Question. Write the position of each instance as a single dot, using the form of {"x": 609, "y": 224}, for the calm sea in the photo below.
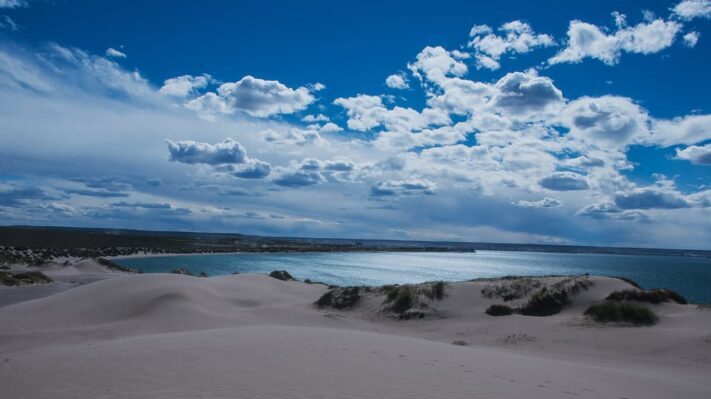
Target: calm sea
{"x": 687, "y": 275}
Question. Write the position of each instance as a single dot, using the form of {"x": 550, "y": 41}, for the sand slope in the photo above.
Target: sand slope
{"x": 251, "y": 336}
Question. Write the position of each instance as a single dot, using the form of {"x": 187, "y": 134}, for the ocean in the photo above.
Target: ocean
{"x": 690, "y": 276}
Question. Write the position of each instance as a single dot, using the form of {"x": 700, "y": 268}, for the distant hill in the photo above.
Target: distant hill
{"x": 121, "y": 241}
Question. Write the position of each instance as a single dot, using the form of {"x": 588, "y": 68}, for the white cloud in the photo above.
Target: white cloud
{"x": 293, "y": 137}
{"x": 606, "y": 120}
{"x": 396, "y": 82}
{"x": 518, "y": 37}
{"x": 366, "y": 112}
{"x": 690, "y": 9}
{"x": 699, "y": 155}
{"x": 435, "y": 64}
{"x": 564, "y": 181}
{"x": 113, "y": 53}
{"x": 185, "y": 85}
{"x": 330, "y": 127}
{"x": 252, "y": 169}
{"x": 193, "y": 152}
{"x": 13, "y": 3}
{"x": 317, "y": 86}
{"x": 546, "y": 202}
{"x": 650, "y": 198}
{"x": 691, "y": 38}
{"x": 521, "y": 92}
{"x": 8, "y": 23}
{"x": 394, "y": 188}
{"x": 690, "y": 129}
{"x": 589, "y": 41}
{"x": 316, "y": 118}
{"x": 256, "y": 97}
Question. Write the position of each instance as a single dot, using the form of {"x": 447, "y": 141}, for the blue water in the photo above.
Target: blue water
{"x": 689, "y": 276}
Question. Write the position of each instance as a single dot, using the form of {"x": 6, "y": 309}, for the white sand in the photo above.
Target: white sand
{"x": 252, "y": 336}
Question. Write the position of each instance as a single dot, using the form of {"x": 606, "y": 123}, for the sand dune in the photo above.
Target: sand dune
{"x": 252, "y": 336}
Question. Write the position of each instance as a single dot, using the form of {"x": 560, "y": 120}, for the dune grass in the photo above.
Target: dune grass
{"x": 654, "y": 296}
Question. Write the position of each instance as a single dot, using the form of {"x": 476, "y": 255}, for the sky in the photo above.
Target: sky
{"x": 514, "y": 121}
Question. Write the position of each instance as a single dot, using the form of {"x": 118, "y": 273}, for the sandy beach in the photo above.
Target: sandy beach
{"x": 98, "y": 333}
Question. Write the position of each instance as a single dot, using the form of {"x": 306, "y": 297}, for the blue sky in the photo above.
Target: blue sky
{"x": 558, "y": 122}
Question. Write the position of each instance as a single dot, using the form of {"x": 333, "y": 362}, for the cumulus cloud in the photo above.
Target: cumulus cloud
{"x": 412, "y": 186}
{"x": 193, "y": 152}
{"x": 650, "y": 198}
{"x": 690, "y": 129}
{"x": 564, "y": 181}
{"x": 590, "y": 41}
{"x": 396, "y": 82}
{"x": 311, "y": 171}
{"x": 253, "y": 169}
{"x": 256, "y": 97}
{"x": 293, "y": 137}
{"x": 546, "y": 202}
{"x": 435, "y": 64}
{"x": 690, "y": 9}
{"x": 315, "y": 118}
{"x": 599, "y": 210}
{"x": 330, "y": 127}
{"x": 698, "y": 155}
{"x": 366, "y": 112}
{"x": 691, "y": 38}
{"x": 516, "y": 37}
{"x": 113, "y": 53}
{"x": 608, "y": 119}
{"x": 526, "y": 91}
{"x": 299, "y": 177}
{"x": 185, "y": 85}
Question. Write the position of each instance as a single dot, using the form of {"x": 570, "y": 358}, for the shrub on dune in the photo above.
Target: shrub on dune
{"x": 654, "y": 296}
{"x": 26, "y": 278}
{"x": 340, "y": 298}
{"x": 545, "y": 302}
{"x": 435, "y": 290}
{"x": 402, "y": 301}
{"x": 499, "y": 310}
{"x": 621, "y": 312}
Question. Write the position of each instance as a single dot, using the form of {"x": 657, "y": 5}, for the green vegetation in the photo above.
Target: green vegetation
{"x": 403, "y": 300}
{"x": 499, "y": 310}
{"x": 511, "y": 290}
{"x": 340, "y": 298}
{"x": 26, "y": 278}
{"x": 435, "y": 290}
{"x": 621, "y": 312}
{"x": 654, "y": 296}
{"x": 545, "y": 302}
